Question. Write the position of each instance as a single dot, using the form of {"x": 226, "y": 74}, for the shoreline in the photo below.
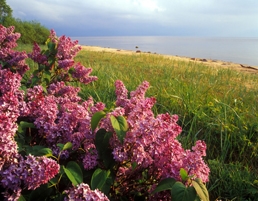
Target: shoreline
{"x": 207, "y": 62}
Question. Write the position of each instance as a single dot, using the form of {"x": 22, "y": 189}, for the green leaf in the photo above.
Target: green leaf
{"x": 134, "y": 165}
{"x": 61, "y": 146}
{"x": 24, "y": 124}
{"x": 74, "y": 173}
{"x": 183, "y": 174}
{"x": 102, "y": 180}
{"x": 67, "y": 145}
{"x": 21, "y": 198}
{"x": 192, "y": 193}
{"x": 51, "y": 46}
{"x": 164, "y": 185}
{"x": 34, "y": 81}
{"x": 54, "y": 181}
{"x": 120, "y": 126}
{"x": 96, "y": 118}
{"x": 102, "y": 145}
{"x": 180, "y": 192}
{"x": 44, "y": 89}
{"x": 201, "y": 189}
{"x": 41, "y": 193}
{"x": 41, "y": 67}
{"x": 38, "y": 150}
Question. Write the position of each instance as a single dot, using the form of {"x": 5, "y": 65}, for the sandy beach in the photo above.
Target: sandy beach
{"x": 208, "y": 62}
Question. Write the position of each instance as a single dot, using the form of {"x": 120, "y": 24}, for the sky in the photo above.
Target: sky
{"x": 215, "y": 18}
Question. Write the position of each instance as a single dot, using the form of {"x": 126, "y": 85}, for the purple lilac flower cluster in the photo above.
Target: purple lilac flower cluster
{"x": 9, "y": 112}
{"x": 83, "y": 192}
{"x": 61, "y": 116}
{"x": 37, "y": 56}
{"x": 10, "y": 58}
{"x": 16, "y": 173}
{"x": 66, "y": 50}
{"x": 14, "y": 170}
{"x": 29, "y": 174}
{"x": 151, "y": 141}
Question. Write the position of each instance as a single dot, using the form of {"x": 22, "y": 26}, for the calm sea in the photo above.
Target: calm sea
{"x": 237, "y": 50}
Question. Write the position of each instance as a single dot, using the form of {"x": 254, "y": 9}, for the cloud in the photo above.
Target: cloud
{"x": 142, "y": 17}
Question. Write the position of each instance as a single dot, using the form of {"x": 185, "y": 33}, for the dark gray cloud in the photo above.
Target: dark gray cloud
{"x": 142, "y": 17}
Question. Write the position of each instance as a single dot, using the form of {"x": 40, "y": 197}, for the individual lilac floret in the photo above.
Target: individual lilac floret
{"x": 82, "y": 192}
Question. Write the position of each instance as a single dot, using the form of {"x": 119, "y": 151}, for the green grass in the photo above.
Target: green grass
{"x": 217, "y": 105}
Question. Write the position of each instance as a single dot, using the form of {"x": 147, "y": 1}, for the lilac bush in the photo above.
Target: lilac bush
{"x": 73, "y": 149}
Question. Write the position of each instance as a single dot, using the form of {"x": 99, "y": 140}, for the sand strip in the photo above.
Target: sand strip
{"x": 208, "y": 62}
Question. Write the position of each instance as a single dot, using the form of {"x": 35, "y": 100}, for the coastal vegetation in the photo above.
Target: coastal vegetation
{"x": 216, "y": 105}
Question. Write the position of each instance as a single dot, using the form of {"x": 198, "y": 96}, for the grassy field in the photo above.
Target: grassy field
{"x": 217, "y": 105}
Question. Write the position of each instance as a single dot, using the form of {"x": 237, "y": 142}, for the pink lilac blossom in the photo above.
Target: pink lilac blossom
{"x": 11, "y": 181}
{"x": 37, "y": 56}
{"x": 65, "y": 64}
{"x": 66, "y": 48}
{"x": 29, "y": 173}
{"x": 8, "y": 38}
{"x": 64, "y": 93}
{"x": 12, "y": 59}
{"x": 151, "y": 142}
{"x": 11, "y": 175}
{"x": 9, "y": 112}
{"x": 52, "y": 36}
{"x": 9, "y": 82}
{"x": 83, "y": 74}
{"x": 82, "y": 192}
{"x": 61, "y": 116}
{"x": 90, "y": 158}
{"x": 194, "y": 163}
{"x": 8, "y": 147}
{"x": 38, "y": 170}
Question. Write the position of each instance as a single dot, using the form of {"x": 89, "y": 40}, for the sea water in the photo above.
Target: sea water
{"x": 237, "y": 49}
